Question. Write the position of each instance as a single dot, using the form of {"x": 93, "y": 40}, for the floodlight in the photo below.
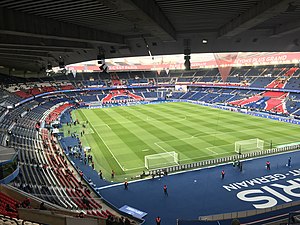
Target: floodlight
{"x": 104, "y": 68}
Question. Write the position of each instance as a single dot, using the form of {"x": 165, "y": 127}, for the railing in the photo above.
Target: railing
{"x": 232, "y": 158}
{"x": 6, "y": 219}
{"x": 242, "y": 214}
{"x": 247, "y": 213}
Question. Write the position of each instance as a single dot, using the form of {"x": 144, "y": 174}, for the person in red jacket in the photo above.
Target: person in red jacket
{"x": 223, "y": 174}
{"x": 126, "y": 185}
{"x": 166, "y": 190}
{"x": 268, "y": 165}
{"x": 158, "y": 220}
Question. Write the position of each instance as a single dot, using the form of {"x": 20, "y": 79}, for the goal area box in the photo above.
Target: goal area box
{"x": 161, "y": 160}
{"x": 250, "y": 145}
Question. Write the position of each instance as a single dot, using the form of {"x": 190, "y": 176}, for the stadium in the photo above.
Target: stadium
{"x": 149, "y": 112}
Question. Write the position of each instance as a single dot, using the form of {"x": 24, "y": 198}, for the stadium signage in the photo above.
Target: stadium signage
{"x": 263, "y": 59}
{"x": 268, "y": 195}
{"x": 132, "y": 211}
{"x": 199, "y": 61}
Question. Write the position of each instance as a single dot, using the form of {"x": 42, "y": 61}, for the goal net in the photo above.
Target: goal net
{"x": 161, "y": 160}
{"x": 249, "y": 145}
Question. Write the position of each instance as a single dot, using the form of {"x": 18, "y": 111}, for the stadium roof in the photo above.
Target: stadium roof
{"x": 34, "y": 33}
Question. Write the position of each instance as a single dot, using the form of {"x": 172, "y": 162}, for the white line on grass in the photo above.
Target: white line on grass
{"x": 136, "y": 168}
{"x": 163, "y": 149}
{"x": 214, "y": 153}
{"x": 103, "y": 125}
{"x": 218, "y": 132}
{"x": 199, "y": 135}
{"x": 196, "y": 159}
{"x": 106, "y": 145}
{"x": 208, "y": 148}
{"x": 177, "y": 139}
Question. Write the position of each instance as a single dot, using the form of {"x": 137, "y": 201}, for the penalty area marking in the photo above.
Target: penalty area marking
{"x": 163, "y": 149}
{"x": 200, "y": 158}
{"x": 213, "y": 152}
{"x": 208, "y": 148}
{"x": 192, "y": 137}
{"x": 217, "y": 132}
{"x": 179, "y": 139}
{"x": 136, "y": 168}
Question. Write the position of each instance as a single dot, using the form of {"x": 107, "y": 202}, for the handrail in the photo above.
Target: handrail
{"x": 8, "y": 218}
{"x": 247, "y": 213}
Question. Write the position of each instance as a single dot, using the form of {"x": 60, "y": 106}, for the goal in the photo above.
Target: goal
{"x": 249, "y": 145}
{"x": 161, "y": 160}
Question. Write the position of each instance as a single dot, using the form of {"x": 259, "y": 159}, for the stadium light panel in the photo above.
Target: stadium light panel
{"x": 104, "y": 68}
{"x": 187, "y": 63}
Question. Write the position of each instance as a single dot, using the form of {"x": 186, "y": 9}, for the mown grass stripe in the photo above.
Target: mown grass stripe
{"x": 134, "y": 148}
{"x": 194, "y": 131}
{"x": 101, "y": 155}
{"x": 183, "y": 145}
{"x": 160, "y": 135}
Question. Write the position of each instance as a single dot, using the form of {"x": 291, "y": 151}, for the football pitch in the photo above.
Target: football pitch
{"x": 121, "y": 137}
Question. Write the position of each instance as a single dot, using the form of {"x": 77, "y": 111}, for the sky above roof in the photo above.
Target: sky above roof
{"x": 201, "y": 60}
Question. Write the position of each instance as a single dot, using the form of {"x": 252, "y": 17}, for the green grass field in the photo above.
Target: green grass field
{"x": 120, "y": 137}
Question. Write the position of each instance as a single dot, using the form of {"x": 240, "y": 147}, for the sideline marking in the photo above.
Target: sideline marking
{"x": 105, "y": 144}
{"x": 102, "y": 125}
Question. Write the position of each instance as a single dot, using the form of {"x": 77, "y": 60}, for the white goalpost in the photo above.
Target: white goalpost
{"x": 249, "y": 145}
{"x": 161, "y": 160}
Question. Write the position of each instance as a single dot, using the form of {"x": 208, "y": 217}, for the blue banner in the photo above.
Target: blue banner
{"x": 132, "y": 211}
